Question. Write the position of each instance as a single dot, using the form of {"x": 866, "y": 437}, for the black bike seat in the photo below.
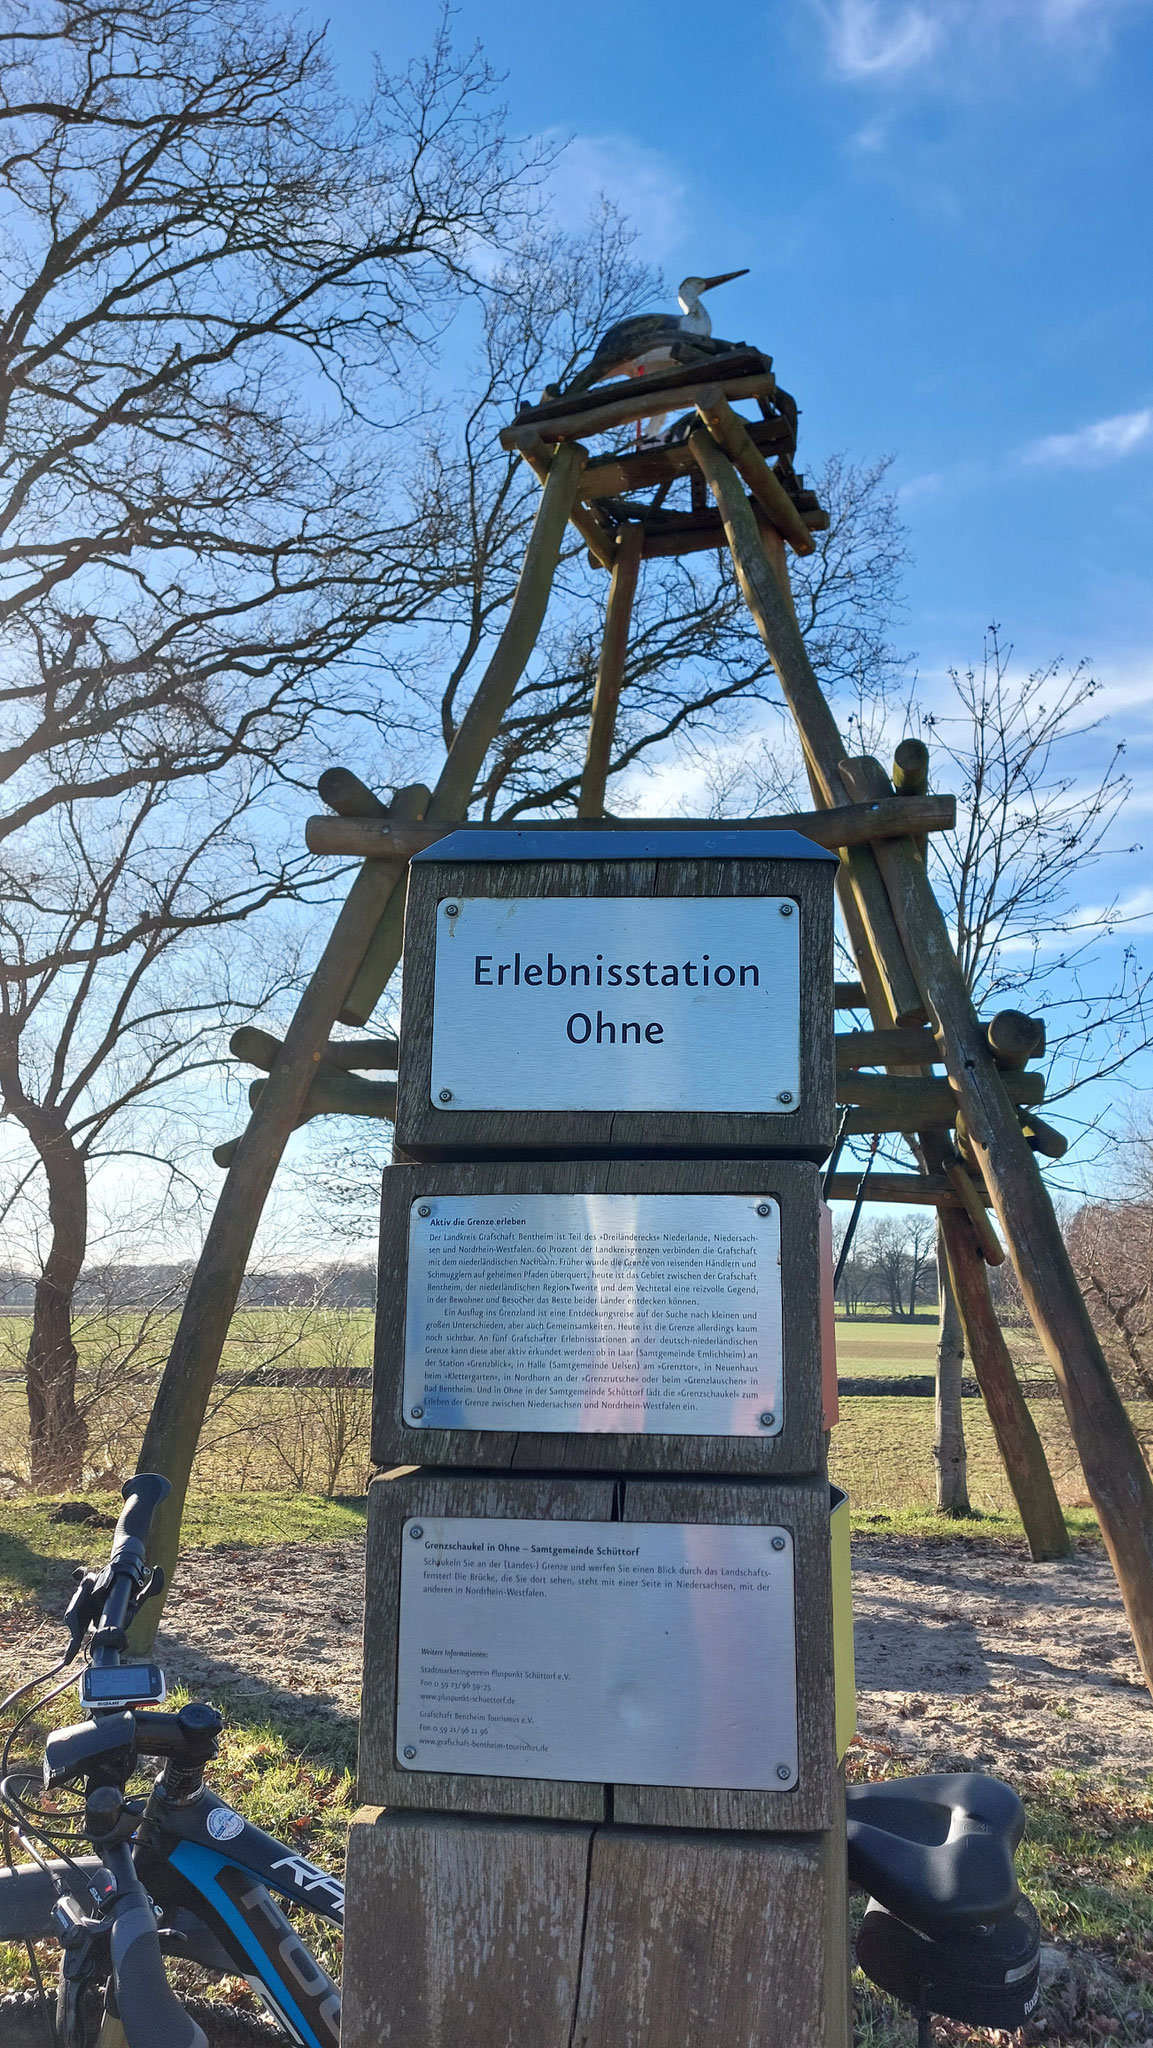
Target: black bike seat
{"x": 937, "y": 1851}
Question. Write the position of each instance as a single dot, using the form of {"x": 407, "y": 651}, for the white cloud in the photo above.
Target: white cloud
{"x": 643, "y": 182}
{"x": 871, "y": 39}
{"x": 891, "y": 40}
{"x": 1091, "y": 447}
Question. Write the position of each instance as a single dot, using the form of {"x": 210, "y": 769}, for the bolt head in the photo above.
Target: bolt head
{"x": 409, "y": 1751}
{"x": 416, "y": 1531}
{"x": 778, "y": 1542}
{"x": 416, "y": 1413}
{"x": 786, "y": 1095}
{"x": 766, "y": 1418}
{"x": 764, "y": 1208}
{"x": 452, "y": 909}
{"x": 783, "y": 1770}
{"x": 423, "y": 1209}
{"x": 446, "y": 1095}
{"x": 786, "y": 909}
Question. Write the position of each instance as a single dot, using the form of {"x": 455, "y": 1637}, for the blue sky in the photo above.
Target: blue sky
{"x": 946, "y": 211}
{"x": 945, "y": 207}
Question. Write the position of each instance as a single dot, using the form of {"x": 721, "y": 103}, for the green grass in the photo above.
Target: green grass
{"x": 36, "y": 1553}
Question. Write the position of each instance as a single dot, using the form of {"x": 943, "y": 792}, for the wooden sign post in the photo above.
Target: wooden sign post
{"x": 600, "y": 1729}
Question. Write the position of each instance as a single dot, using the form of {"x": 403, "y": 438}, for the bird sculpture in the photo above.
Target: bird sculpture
{"x": 653, "y": 341}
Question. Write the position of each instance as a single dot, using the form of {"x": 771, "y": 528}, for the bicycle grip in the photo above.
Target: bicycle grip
{"x": 142, "y": 1496}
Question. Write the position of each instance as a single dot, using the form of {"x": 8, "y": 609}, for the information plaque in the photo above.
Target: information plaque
{"x": 627, "y": 1653}
{"x": 624, "y": 1003}
{"x": 595, "y": 1313}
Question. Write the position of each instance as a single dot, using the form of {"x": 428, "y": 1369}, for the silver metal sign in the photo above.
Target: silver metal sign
{"x": 631, "y": 1003}
{"x": 611, "y": 1652}
{"x": 595, "y": 1313}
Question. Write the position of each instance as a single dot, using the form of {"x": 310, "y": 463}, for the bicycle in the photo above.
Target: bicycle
{"x": 177, "y": 1873}
{"x": 182, "y": 1873}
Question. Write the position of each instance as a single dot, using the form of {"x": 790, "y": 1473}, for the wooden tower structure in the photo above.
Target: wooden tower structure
{"x": 919, "y": 1061}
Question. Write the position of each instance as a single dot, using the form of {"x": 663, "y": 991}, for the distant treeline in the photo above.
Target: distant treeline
{"x": 126, "y": 1287}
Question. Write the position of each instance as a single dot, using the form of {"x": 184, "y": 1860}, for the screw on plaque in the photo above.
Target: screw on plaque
{"x": 786, "y": 1095}
{"x": 764, "y": 1208}
{"x": 416, "y": 1532}
{"x": 767, "y": 1419}
{"x": 778, "y": 1542}
{"x": 452, "y": 909}
{"x": 446, "y": 1095}
{"x": 783, "y": 1770}
{"x": 786, "y": 910}
{"x": 416, "y": 1413}
{"x": 410, "y": 1752}
{"x": 423, "y": 1209}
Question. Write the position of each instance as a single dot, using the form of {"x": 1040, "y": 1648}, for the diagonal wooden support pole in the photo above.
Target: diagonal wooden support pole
{"x": 375, "y": 906}
{"x": 1115, "y": 1471}
{"x": 611, "y": 668}
{"x": 814, "y": 720}
{"x": 757, "y": 549}
{"x": 481, "y": 722}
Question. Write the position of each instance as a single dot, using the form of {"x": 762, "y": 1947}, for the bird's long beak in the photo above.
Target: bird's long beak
{"x": 726, "y": 277}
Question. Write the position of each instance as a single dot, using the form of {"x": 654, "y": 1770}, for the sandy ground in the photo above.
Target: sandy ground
{"x": 968, "y": 1655}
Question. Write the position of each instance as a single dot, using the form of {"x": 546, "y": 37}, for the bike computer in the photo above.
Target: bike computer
{"x": 122, "y": 1685}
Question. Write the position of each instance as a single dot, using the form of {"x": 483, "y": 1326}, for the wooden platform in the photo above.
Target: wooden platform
{"x": 612, "y": 483}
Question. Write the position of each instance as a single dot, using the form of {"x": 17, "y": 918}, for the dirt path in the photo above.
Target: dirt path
{"x": 968, "y": 1656}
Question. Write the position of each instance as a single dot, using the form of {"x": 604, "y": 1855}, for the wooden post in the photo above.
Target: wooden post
{"x": 1115, "y": 1470}
{"x": 611, "y": 670}
{"x": 1022, "y": 1452}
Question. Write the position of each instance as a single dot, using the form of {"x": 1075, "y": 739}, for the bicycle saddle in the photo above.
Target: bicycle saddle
{"x": 937, "y": 1851}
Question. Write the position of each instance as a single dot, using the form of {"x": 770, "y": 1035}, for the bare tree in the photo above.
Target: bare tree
{"x": 218, "y": 285}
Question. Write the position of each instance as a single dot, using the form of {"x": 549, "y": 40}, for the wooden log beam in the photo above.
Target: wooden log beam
{"x": 345, "y": 793}
{"x": 611, "y": 669}
{"x": 621, "y": 476}
{"x": 1042, "y": 1137}
{"x": 849, "y": 995}
{"x": 908, "y": 1103}
{"x": 1015, "y": 1039}
{"x": 853, "y": 825}
{"x": 644, "y": 396}
{"x": 911, "y": 768}
{"x": 346, "y": 1055}
{"x": 333, "y": 1094}
{"x": 1116, "y": 1473}
{"x": 915, "y": 1047}
{"x": 731, "y": 362}
{"x": 732, "y": 435}
{"x": 918, "y": 1190}
{"x": 815, "y": 723}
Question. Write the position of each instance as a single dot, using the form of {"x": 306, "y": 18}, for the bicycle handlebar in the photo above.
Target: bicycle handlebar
{"x": 142, "y": 1496}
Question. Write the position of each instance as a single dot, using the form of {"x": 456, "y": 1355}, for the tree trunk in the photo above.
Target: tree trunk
{"x": 949, "y": 1430}
{"x": 57, "y": 1433}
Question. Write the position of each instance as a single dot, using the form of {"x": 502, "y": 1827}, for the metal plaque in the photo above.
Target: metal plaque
{"x": 594, "y": 1313}
{"x": 612, "y": 1652}
{"x": 631, "y": 1003}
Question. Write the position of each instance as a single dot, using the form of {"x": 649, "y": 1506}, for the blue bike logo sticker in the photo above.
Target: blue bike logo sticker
{"x": 223, "y": 1824}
